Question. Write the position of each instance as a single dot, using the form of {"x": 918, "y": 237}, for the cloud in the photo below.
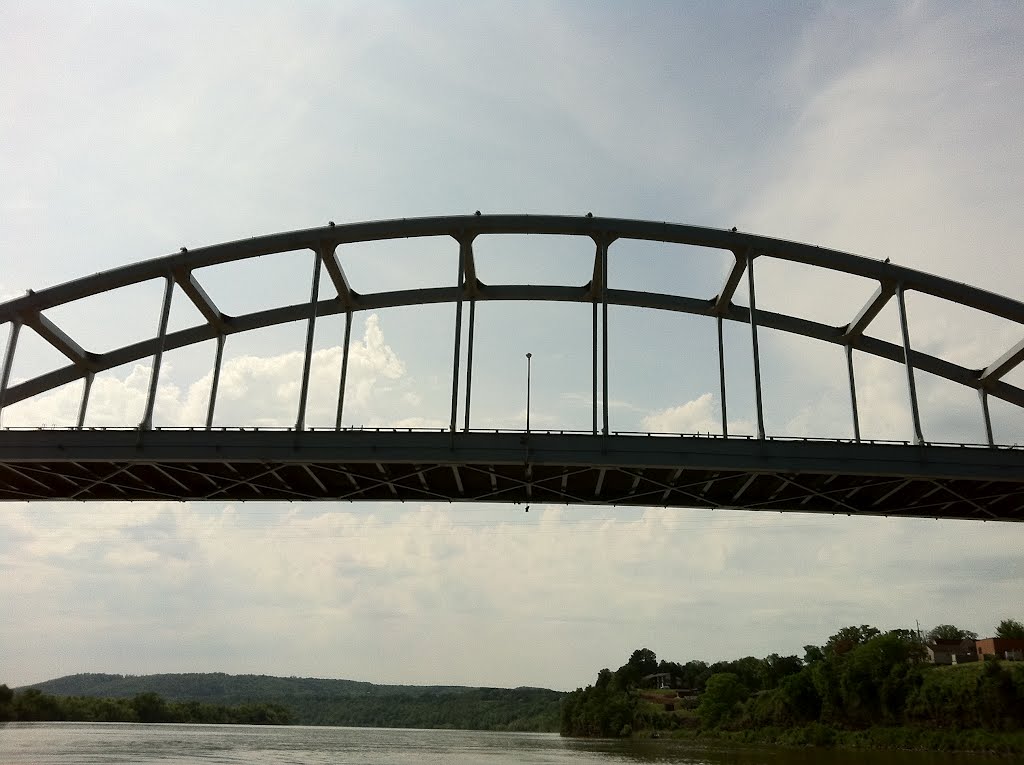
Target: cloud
{"x": 348, "y": 591}
{"x": 701, "y": 415}
{"x": 258, "y": 391}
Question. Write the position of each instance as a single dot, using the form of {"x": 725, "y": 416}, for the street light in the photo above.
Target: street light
{"x": 529, "y": 357}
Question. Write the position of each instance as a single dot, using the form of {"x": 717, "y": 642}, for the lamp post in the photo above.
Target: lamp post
{"x": 529, "y": 357}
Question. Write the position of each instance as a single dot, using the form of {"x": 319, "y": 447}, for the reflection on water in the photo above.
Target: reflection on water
{"x": 77, "y": 743}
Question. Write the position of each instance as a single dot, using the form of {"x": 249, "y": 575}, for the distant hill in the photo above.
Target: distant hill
{"x": 316, "y": 701}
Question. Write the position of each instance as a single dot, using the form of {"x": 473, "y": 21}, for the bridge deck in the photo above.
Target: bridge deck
{"x": 926, "y": 481}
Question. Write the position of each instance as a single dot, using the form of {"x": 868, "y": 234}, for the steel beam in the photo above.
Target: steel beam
{"x": 202, "y": 301}
{"x": 307, "y": 358}
{"x": 272, "y": 317}
{"x": 723, "y": 301}
{"x": 853, "y": 393}
{"x": 983, "y": 395}
{"x": 86, "y": 390}
{"x": 908, "y": 364}
{"x": 469, "y": 359}
{"x": 344, "y": 369}
{"x": 869, "y": 268}
{"x": 346, "y": 295}
{"x": 593, "y": 398}
{"x": 464, "y": 246}
{"x": 218, "y": 361}
{"x": 883, "y": 294}
{"x": 5, "y": 375}
{"x": 59, "y": 339}
{"x": 161, "y": 336}
{"x": 721, "y": 378}
{"x": 753, "y": 342}
{"x": 1001, "y": 366}
{"x": 603, "y": 255}
{"x": 566, "y": 468}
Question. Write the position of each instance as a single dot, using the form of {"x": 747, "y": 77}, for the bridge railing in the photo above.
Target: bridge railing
{"x": 502, "y": 431}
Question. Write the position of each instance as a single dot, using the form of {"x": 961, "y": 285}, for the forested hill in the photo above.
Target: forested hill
{"x": 315, "y": 701}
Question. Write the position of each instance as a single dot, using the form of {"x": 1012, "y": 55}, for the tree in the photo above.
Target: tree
{"x": 775, "y": 668}
{"x": 849, "y": 638}
{"x": 813, "y": 653}
{"x": 723, "y": 692}
{"x": 6, "y": 699}
{"x": 642, "y": 662}
{"x": 149, "y": 707}
{"x": 1010, "y": 628}
{"x": 949, "y": 632}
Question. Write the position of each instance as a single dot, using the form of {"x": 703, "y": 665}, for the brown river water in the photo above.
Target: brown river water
{"x": 93, "y": 743}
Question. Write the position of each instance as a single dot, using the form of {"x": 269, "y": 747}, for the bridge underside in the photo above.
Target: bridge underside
{"x": 774, "y": 475}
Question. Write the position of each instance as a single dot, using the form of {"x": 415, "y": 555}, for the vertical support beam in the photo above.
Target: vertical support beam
{"x": 5, "y": 376}
{"x": 158, "y": 357}
{"x": 853, "y": 393}
{"x": 721, "y": 380}
{"x": 594, "y": 345}
{"x": 603, "y": 255}
{"x": 753, "y": 342}
{"x": 86, "y": 390}
{"x": 218, "y": 360}
{"x": 465, "y": 248}
{"x": 344, "y": 369}
{"x": 915, "y": 413}
{"x": 469, "y": 360}
{"x": 983, "y": 395}
{"x": 307, "y": 359}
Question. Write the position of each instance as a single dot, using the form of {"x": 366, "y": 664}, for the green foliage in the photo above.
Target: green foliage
{"x": 607, "y": 708}
{"x": 315, "y": 701}
{"x": 6, "y": 703}
{"x": 798, "y": 699}
{"x": 950, "y": 632}
{"x": 863, "y": 688}
{"x": 813, "y": 653}
{"x": 642, "y": 662}
{"x": 722, "y": 695}
{"x": 1011, "y": 629}
{"x": 32, "y": 705}
{"x": 849, "y": 638}
{"x": 774, "y": 669}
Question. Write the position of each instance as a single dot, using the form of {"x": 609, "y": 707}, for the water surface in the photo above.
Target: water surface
{"x": 81, "y": 743}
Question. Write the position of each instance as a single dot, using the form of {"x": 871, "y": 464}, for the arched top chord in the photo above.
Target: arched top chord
{"x": 326, "y": 243}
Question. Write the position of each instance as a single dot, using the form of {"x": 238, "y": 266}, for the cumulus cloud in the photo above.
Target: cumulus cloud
{"x": 254, "y": 390}
{"x": 701, "y": 415}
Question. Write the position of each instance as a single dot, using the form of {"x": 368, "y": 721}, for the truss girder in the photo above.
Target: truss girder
{"x": 329, "y": 242}
{"x": 773, "y": 475}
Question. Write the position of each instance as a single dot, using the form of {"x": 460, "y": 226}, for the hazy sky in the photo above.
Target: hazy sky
{"x": 128, "y": 131}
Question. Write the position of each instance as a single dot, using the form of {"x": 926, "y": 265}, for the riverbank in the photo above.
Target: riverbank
{"x": 897, "y": 738}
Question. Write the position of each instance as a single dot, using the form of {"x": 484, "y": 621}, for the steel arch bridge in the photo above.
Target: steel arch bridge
{"x": 915, "y": 478}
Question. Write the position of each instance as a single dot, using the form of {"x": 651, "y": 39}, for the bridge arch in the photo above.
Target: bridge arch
{"x": 456, "y": 463}
{"x": 326, "y": 244}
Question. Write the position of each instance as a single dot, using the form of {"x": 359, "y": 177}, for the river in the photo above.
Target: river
{"x": 168, "y": 744}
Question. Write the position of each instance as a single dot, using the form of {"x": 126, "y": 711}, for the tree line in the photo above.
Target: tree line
{"x": 860, "y": 678}
{"x": 319, "y": 701}
{"x": 32, "y": 705}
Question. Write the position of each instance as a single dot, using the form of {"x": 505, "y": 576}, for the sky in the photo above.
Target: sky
{"x": 887, "y": 129}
